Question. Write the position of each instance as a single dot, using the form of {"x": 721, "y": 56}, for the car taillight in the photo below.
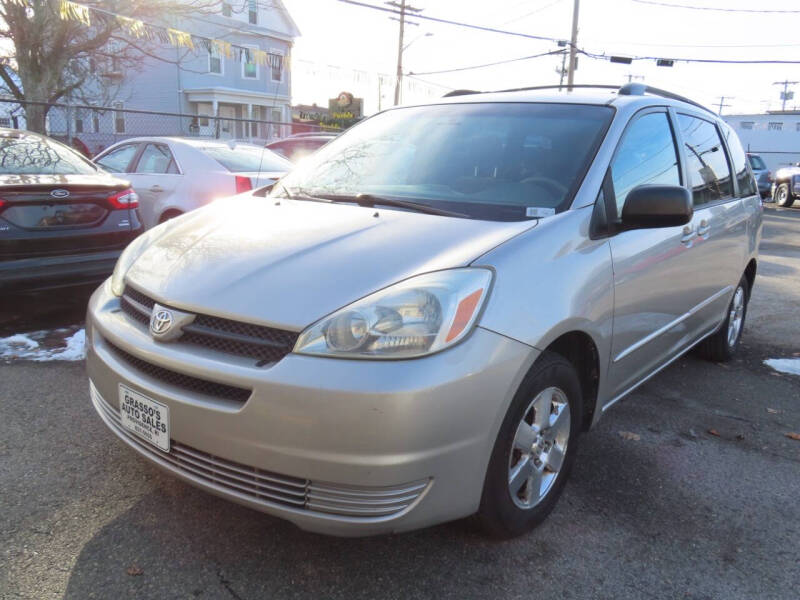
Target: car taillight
{"x": 2, "y": 203}
{"x": 243, "y": 184}
{"x": 124, "y": 199}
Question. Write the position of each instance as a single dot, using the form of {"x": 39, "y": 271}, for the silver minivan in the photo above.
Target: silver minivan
{"x": 418, "y": 323}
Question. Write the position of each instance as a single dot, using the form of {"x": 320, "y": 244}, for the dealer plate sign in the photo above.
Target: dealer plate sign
{"x": 145, "y": 417}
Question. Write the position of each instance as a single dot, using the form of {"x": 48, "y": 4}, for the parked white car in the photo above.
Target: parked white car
{"x": 175, "y": 175}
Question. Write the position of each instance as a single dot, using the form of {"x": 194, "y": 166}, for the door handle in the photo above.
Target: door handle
{"x": 688, "y": 235}
{"x": 704, "y": 228}
{"x": 156, "y": 189}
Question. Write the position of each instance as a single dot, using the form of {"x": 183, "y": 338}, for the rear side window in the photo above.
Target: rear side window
{"x": 744, "y": 176}
{"x": 22, "y": 154}
{"x": 117, "y": 160}
{"x": 156, "y": 158}
{"x": 708, "y": 168}
{"x": 646, "y": 155}
{"x": 247, "y": 158}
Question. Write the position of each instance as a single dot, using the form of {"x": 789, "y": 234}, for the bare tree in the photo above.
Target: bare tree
{"x": 50, "y": 59}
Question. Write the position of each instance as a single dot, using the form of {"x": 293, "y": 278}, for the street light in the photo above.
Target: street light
{"x": 419, "y": 37}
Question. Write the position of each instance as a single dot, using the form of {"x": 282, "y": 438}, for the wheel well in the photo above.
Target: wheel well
{"x": 579, "y": 349}
{"x": 750, "y": 273}
{"x": 169, "y": 214}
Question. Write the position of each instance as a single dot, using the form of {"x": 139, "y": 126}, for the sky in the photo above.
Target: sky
{"x": 344, "y": 47}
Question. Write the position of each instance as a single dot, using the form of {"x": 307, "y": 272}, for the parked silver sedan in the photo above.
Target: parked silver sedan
{"x": 176, "y": 175}
{"x": 417, "y": 324}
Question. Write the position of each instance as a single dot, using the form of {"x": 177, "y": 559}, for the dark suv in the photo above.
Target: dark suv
{"x": 63, "y": 222}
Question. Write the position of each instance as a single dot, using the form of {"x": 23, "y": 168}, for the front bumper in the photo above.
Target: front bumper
{"x": 358, "y": 447}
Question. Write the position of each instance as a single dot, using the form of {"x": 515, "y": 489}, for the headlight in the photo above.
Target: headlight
{"x": 415, "y": 317}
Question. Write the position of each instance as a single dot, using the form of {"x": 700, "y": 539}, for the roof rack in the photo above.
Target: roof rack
{"x": 629, "y": 89}
{"x": 640, "y": 89}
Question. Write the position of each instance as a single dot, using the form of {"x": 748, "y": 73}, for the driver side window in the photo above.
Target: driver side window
{"x": 646, "y": 155}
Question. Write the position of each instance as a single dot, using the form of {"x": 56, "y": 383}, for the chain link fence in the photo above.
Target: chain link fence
{"x": 92, "y": 129}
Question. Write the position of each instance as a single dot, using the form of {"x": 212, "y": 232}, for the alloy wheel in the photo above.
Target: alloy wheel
{"x": 736, "y": 316}
{"x": 540, "y": 445}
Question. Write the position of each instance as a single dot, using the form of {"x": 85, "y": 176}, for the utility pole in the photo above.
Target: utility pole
{"x": 786, "y": 94}
{"x": 573, "y": 47}
{"x": 563, "y": 70}
{"x": 722, "y": 103}
{"x": 403, "y": 9}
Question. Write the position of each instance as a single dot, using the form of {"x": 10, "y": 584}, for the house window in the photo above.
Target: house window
{"x": 95, "y": 123}
{"x": 746, "y": 124}
{"x": 775, "y": 126}
{"x": 119, "y": 117}
{"x": 78, "y": 124}
{"x": 226, "y": 9}
{"x": 215, "y": 61}
{"x": 249, "y": 67}
{"x": 276, "y": 65}
{"x": 252, "y": 11}
{"x": 5, "y": 122}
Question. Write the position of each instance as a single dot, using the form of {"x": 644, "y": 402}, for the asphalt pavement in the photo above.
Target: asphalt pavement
{"x": 689, "y": 488}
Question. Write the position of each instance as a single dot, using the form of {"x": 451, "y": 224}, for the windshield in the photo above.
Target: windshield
{"x": 32, "y": 155}
{"x": 498, "y": 161}
{"x": 247, "y": 158}
{"x": 756, "y": 162}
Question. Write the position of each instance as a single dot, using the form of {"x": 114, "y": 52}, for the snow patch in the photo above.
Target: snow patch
{"x": 790, "y": 366}
{"x": 45, "y": 345}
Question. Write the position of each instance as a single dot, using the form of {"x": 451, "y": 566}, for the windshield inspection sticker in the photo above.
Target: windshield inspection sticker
{"x": 538, "y": 212}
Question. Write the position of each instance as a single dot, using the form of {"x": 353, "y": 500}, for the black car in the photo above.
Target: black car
{"x": 300, "y": 145}
{"x": 63, "y": 222}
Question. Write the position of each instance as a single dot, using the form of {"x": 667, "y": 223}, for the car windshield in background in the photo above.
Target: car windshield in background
{"x": 247, "y": 158}
{"x": 497, "y": 161}
{"x": 756, "y": 163}
{"x": 22, "y": 154}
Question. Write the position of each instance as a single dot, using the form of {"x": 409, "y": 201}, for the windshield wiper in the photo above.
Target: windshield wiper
{"x": 370, "y": 200}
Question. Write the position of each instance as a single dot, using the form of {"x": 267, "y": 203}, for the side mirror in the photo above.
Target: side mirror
{"x": 652, "y": 206}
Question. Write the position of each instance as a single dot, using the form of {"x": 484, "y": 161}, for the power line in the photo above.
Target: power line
{"x": 529, "y": 36}
{"x": 716, "y": 9}
{"x": 533, "y": 12}
{"x": 694, "y": 60}
{"x": 492, "y": 64}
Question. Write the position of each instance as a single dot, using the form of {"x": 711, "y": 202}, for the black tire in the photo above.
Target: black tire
{"x": 170, "y": 214}
{"x": 783, "y": 196}
{"x": 718, "y": 347}
{"x": 499, "y": 516}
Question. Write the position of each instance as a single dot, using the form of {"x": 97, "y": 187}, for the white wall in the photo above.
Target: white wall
{"x": 779, "y": 147}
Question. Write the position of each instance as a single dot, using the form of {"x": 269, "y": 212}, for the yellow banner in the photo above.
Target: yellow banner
{"x": 71, "y": 11}
{"x": 223, "y": 48}
{"x": 134, "y": 27}
{"x": 180, "y": 38}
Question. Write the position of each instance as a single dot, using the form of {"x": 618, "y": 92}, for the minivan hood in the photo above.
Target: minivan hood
{"x": 288, "y": 263}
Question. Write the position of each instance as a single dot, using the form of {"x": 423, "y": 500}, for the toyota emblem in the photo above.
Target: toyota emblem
{"x": 59, "y": 193}
{"x": 160, "y": 322}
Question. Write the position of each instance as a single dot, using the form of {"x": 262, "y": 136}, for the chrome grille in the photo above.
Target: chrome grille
{"x": 267, "y": 488}
{"x": 264, "y": 344}
{"x": 181, "y": 380}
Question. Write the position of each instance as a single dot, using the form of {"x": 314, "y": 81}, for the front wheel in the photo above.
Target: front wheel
{"x": 783, "y": 196}
{"x": 534, "y": 450}
{"x": 721, "y": 346}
